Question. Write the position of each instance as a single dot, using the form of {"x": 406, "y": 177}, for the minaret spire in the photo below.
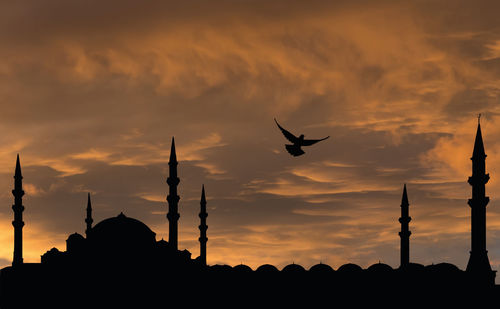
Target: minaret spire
{"x": 89, "y": 219}
{"x": 405, "y": 230}
{"x": 173, "y": 198}
{"x": 203, "y": 227}
{"x": 18, "y": 209}
{"x": 479, "y": 265}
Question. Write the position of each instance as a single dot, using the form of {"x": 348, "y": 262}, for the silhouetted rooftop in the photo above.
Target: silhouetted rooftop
{"x": 443, "y": 267}
{"x": 75, "y": 236}
{"x": 267, "y": 268}
{"x": 413, "y": 267}
{"x": 242, "y": 268}
{"x": 162, "y": 242}
{"x": 124, "y": 229}
{"x": 349, "y": 268}
{"x": 221, "y": 268}
{"x": 380, "y": 267}
{"x": 321, "y": 268}
{"x": 295, "y": 268}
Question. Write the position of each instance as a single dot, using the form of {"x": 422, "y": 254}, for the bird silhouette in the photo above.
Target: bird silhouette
{"x": 295, "y": 149}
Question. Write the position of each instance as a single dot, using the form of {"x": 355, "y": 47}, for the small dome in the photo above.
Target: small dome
{"x": 53, "y": 255}
{"x": 321, "y": 268}
{"x": 267, "y": 268}
{"x": 53, "y": 251}
{"x": 413, "y": 267}
{"x": 443, "y": 267}
{"x": 380, "y": 267}
{"x": 293, "y": 268}
{"x": 162, "y": 243}
{"x": 221, "y": 268}
{"x": 242, "y": 269}
{"x": 349, "y": 268}
{"x": 75, "y": 242}
{"x": 75, "y": 237}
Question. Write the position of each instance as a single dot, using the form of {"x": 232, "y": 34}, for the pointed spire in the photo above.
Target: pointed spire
{"x": 405, "y": 230}
{"x": 89, "y": 204}
{"x": 89, "y": 219}
{"x": 173, "y": 198}
{"x": 18, "y": 169}
{"x": 479, "y": 266}
{"x": 18, "y": 209}
{"x": 203, "y": 227}
{"x": 478, "y": 151}
{"x": 173, "y": 156}
{"x": 404, "y": 199}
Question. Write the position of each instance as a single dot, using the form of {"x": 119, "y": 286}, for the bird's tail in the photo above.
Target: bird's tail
{"x": 294, "y": 150}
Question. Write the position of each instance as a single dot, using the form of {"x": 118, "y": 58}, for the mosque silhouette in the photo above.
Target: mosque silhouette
{"x": 119, "y": 262}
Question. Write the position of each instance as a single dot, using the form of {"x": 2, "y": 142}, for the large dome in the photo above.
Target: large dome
{"x": 122, "y": 232}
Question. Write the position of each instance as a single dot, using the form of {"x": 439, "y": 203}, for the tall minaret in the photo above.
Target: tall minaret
{"x": 89, "y": 219}
{"x": 203, "y": 227}
{"x": 405, "y": 230}
{"x": 18, "y": 215}
{"x": 479, "y": 264}
{"x": 173, "y": 198}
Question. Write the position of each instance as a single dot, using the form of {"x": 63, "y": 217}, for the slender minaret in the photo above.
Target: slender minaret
{"x": 405, "y": 230}
{"x": 173, "y": 198}
{"x": 479, "y": 264}
{"x": 18, "y": 215}
{"x": 89, "y": 219}
{"x": 203, "y": 227}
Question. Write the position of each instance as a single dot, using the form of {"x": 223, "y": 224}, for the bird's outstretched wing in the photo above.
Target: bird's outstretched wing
{"x": 289, "y": 136}
{"x": 309, "y": 142}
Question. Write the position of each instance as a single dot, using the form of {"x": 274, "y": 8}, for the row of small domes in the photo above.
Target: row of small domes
{"x": 324, "y": 268}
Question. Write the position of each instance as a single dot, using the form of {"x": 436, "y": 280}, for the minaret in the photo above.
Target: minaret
{"x": 18, "y": 215}
{"x": 405, "y": 230}
{"x": 173, "y": 198}
{"x": 479, "y": 264}
{"x": 89, "y": 219}
{"x": 203, "y": 227}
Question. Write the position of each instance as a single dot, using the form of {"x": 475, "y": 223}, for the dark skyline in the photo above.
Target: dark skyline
{"x": 92, "y": 94}
{"x": 120, "y": 261}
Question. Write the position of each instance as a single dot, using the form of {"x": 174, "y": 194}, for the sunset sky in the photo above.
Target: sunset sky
{"x": 92, "y": 92}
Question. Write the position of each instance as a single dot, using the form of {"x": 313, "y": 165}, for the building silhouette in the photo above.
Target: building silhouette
{"x": 119, "y": 262}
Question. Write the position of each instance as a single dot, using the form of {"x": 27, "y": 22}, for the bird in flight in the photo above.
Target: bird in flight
{"x": 295, "y": 149}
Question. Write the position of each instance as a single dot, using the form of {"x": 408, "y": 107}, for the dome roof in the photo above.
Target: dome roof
{"x": 122, "y": 231}
{"x": 162, "y": 243}
{"x": 75, "y": 242}
{"x": 321, "y": 268}
{"x": 242, "y": 268}
{"x": 267, "y": 268}
{"x": 53, "y": 251}
{"x": 221, "y": 268}
{"x": 443, "y": 267}
{"x": 380, "y": 267}
{"x": 295, "y": 268}
{"x": 413, "y": 267}
{"x": 75, "y": 237}
{"x": 349, "y": 268}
